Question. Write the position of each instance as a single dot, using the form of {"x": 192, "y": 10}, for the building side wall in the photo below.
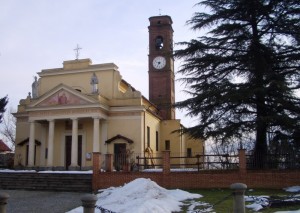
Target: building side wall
{"x": 196, "y": 145}
{"x": 167, "y": 128}
{"x": 152, "y": 123}
{"x": 129, "y": 127}
{"x": 22, "y": 129}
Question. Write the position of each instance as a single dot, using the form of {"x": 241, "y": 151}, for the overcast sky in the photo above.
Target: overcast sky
{"x": 41, "y": 34}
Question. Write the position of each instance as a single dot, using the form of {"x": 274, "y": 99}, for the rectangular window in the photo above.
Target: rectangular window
{"x": 189, "y": 152}
{"x": 148, "y": 136}
{"x": 167, "y": 145}
{"x": 156, "y": 140}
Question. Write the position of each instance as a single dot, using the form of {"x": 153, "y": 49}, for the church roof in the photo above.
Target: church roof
{"x": 4, "y": 147}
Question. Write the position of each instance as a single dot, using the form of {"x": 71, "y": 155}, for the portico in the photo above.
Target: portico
{"x": 55, "y": 128}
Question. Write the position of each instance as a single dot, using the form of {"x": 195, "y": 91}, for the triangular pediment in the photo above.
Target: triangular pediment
{"x": 63, "y": 95}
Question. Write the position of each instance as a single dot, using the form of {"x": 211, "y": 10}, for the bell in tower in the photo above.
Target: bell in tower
{"x": 159, "y": 42}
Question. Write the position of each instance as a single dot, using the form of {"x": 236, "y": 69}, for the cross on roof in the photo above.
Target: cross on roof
{"x": 77, "y": 49}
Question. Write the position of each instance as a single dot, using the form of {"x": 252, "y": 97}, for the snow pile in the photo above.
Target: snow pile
{"x": 293, "y": 189}
{"x": 259, "y": 202}
{"x": 141, "y": 196}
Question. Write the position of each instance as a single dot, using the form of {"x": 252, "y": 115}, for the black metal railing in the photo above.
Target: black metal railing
{"x": 279, "y": 161}
{"x": 200, "y": 162}
{"x": 190, "y": 163}
{"x": 148, "y": 162}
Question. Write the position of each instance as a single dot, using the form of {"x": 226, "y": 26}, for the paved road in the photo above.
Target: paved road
{"x": 22, "y": 201}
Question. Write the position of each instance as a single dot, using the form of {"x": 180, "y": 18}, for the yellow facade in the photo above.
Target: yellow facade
{"x": 83, "y": 108}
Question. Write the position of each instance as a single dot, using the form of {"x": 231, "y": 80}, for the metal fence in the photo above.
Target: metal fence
{"x": 200, "y": 162}
{"x": 196, "y": 162}
{"x": 279, "y": 160}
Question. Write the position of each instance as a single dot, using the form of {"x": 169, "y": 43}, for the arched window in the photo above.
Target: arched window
{"x": 159, "y": 42}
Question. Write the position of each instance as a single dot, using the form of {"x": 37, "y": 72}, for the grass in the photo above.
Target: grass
{"x": 222, "y": 200}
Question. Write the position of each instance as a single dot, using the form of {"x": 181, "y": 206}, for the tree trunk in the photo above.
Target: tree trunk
{"x": 261, "y": 149}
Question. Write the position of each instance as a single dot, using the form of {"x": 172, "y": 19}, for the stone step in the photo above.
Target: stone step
{"x": 48, "y": 181}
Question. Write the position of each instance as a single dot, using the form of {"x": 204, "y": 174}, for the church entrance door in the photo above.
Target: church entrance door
{"x": 68, "y": 151}
{"x": 27, "y": 154}
{"x": 119, "y": 155}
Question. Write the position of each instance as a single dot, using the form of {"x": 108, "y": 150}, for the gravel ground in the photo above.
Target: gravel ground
{"x": 21, "y": 201}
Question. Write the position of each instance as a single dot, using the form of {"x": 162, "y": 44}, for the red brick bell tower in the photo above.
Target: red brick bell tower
{"x": 161, "y": 66}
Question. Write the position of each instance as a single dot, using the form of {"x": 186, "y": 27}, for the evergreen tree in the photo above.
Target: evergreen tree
{"x": 243, "y": 75}
{"x": 3, "y": 102}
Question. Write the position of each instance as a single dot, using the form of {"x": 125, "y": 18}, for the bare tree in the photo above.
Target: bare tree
{"x": 8, "y": 128}
{"x": 225, "y": 151}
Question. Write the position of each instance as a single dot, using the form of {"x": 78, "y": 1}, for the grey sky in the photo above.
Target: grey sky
{"x": 41, "y": 34}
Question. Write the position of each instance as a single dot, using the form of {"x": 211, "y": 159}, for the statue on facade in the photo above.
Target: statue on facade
{"x": 94, "y": 83}
{"x": 35, "y": 85}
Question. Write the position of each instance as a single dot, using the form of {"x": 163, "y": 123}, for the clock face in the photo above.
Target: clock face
{"x": 159, "y": 62}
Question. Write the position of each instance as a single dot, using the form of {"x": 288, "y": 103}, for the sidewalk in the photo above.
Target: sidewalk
{"x": 22, "y": 201}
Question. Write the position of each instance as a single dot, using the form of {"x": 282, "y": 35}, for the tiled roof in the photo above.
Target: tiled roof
{"x": 4, "y": 147}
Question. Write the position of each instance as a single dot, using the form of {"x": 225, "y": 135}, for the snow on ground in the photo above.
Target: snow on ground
{"x": 293, "y": 189}
{"x": 172, "y": 170}
{"x": 68, "y": 172}
{"x": 260, "y": 202}
{"x": 16, "y": 171}
{"x": 141, "y": 196}
{"x": 34, "y": 171}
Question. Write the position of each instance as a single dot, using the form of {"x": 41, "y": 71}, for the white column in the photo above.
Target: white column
{"x": 96, "y": 134}
{"x": 31, "y": 144}
{"x": 104, "y": 134}
{"x": 74, "y": 150}
{"x": 43, "y": 160}
{"x": 50, "y": 143}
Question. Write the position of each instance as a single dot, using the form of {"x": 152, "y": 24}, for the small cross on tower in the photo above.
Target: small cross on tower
{"x": 77, "y": 49}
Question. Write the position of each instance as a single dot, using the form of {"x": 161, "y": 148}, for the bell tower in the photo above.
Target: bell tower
{"x": 161, "y": 65}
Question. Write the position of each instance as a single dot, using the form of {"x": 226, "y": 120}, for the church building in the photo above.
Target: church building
{"x": 83, "y": 108}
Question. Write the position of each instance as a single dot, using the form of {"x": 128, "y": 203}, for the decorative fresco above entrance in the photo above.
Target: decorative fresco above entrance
{"x": 62, "y": 97}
